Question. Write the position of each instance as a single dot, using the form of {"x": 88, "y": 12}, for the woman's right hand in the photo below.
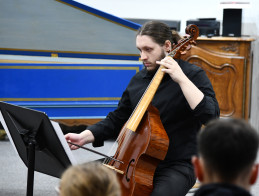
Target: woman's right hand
{"x": 81, "y": 139}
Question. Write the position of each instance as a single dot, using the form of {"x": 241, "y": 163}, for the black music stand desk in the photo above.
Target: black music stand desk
{"x": 38, "y": 141}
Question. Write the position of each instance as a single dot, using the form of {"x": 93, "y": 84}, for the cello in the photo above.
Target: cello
{"x": 143, "y": 142}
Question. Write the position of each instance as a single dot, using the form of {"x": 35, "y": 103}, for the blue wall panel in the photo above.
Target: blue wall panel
{"x": 66, "y": 90}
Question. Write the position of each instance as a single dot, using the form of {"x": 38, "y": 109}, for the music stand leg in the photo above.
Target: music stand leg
{"x": 31, "y": 167}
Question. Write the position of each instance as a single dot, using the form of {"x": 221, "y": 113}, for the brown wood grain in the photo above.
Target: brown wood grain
{"x": 227, "y": 62}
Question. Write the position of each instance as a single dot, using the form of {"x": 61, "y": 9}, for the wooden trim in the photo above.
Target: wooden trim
{"x": 247, "y": 39}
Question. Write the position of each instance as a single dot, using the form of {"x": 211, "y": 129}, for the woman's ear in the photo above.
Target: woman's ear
{"x": 254, "y": 174}
{"x": 198, "y": 168}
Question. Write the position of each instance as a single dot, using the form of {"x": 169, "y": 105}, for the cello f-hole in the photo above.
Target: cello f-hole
{"x": 128, "y": 179}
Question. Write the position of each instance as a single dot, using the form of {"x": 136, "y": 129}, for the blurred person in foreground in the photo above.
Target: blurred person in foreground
{"x": 226, "y": 162}
{"x": 89, "y": 179}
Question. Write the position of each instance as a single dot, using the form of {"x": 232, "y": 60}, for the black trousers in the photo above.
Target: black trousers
{"x": 173, "y": 181}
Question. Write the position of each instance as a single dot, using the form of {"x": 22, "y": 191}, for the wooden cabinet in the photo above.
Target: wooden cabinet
{"x": 228, "y": 63}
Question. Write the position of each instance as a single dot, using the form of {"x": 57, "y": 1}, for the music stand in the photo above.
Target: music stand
{"x": 39, "y": 142}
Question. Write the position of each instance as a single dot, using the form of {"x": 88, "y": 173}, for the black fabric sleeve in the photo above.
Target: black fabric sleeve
{"x": 208, "y": 108}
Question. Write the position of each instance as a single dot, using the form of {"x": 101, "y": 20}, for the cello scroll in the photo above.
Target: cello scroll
{"x": 185, "y": 44}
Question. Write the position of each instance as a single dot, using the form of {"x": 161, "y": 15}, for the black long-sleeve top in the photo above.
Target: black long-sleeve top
{"x": 179, "y": 120}
{"x": 219, "y": 189}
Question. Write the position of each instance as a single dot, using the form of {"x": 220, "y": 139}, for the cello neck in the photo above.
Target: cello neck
{"x": 144, "y": 102}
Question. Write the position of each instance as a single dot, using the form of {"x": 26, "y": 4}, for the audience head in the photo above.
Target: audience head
{"x": 227, "y": 150}
{"x": 90, "y": 179}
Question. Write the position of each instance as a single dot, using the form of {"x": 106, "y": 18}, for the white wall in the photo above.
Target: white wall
{"x": 188, "y": 9}
{"x": 171, "y": 10}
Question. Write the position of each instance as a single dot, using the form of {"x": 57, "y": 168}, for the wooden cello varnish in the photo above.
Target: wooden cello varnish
{"x": 142, "y": 144}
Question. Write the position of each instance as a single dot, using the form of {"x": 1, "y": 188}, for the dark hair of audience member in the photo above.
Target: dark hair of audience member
{"x": 228, "y": 147}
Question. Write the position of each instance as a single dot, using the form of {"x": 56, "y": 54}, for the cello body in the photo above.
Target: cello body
{"x": 148, "y": 146}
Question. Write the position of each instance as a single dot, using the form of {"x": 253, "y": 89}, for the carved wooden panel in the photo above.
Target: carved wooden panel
{"x": 221, "y": 48}
{"x": 227, "y": 77}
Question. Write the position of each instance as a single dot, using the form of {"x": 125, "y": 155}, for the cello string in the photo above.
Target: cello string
{"x": 122, "y": 137}
{"x": 115, "y": 146}
{"x": 178, "y": 46}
